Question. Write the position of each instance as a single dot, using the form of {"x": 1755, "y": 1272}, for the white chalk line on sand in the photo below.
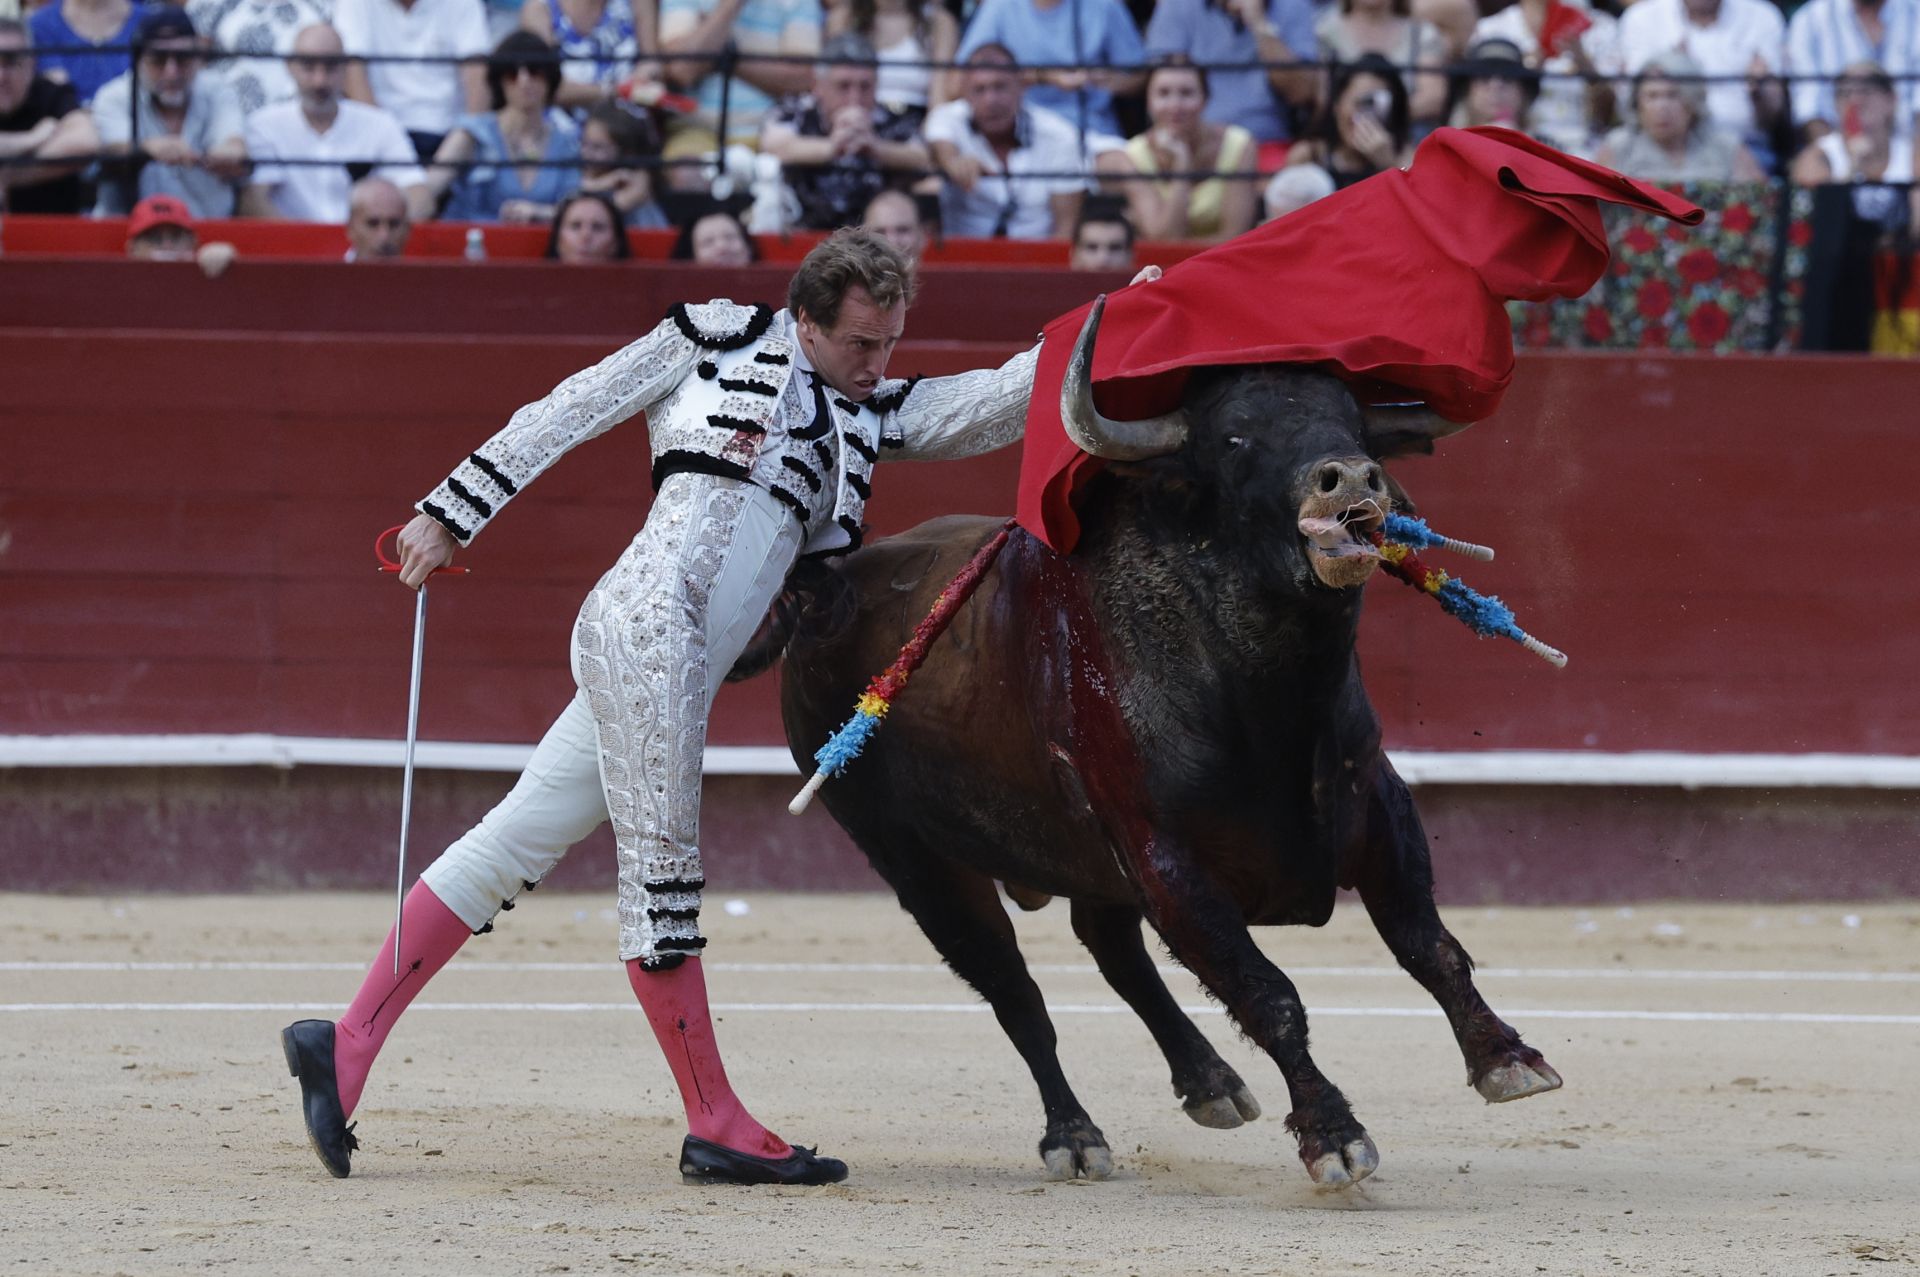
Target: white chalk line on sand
{"x": 976, "y": 1008}
{"x": 1038, "y": 968}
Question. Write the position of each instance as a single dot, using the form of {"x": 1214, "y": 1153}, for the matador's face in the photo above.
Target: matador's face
{"x": 852, "y": 355}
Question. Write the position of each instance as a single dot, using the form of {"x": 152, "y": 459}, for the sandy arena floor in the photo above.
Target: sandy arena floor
{"x": 1741, "y": 1099}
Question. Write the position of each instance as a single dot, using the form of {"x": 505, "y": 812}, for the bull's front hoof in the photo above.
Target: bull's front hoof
{"x": 1345, "y": 1168}
{"x": 1074, "y": 1148}
{"x": 1224, "y": 1112}
{"x": 1516, "y": 1080}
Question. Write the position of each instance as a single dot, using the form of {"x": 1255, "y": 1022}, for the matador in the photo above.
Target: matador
{"x": 764, "y": 429}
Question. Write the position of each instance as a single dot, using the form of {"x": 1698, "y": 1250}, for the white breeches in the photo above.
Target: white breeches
{"x": 651, "y": 646}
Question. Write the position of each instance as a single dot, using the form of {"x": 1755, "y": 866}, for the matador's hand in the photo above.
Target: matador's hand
{"x": 424, "y": 546}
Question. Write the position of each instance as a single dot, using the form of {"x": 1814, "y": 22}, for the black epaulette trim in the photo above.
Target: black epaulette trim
{"x": 756, "y": 328}
{"x": 678, "y": 915}
{"x": 792, "y": 503}
{"x": 445, "y": 520}
{"x": 847, "y": 406}
{"x": 493, "y": 472}
{"x": 802, "y": 469}
{"x": 460, "y": 490}
{"x": 676, "y": 947}
{"x": 678, "y": 460}
{"x": 854, "y": 530}
{"x": 862, "y": 447}
{"x": 765, "y": 357}
{"x": 864, "y": 488}
{"x": 887, "y": 401}
{"x": 823, "y": 452}
{"x": 738, "y": 424}
{"x": 707, "y": 369}
{"x": 812, "y": 430}
{"x": 751, "y": 387}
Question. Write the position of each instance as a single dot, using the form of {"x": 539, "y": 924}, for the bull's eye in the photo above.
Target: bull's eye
{"x": 1236, "y": 441}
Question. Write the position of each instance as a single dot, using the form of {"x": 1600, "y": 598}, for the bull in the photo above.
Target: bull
{"x": 1167, "y": 724}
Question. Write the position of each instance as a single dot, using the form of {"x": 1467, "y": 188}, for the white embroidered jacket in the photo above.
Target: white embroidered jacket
{"x": 718, "y": 385}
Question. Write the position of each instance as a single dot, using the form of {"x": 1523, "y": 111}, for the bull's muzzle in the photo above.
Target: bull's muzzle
{"x": 1345, "y": 504}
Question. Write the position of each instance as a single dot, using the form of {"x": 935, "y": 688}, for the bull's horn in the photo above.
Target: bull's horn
{"x": 1095, "y": 434}
{"x": 1399, "y": 428}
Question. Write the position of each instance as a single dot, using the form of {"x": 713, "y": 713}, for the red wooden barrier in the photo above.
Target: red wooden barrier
{"x": 1716, "y": 542}
{"x": 187, "y": 501}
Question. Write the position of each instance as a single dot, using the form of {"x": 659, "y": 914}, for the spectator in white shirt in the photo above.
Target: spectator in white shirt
{"x": 1012, "y": 169}
{"x": 1825, "y": 37}
{"x": 262, "y": 28}
{"x": 1725, "y": 38}
{"x": 426, "y": 96}
{"x": 320, "y": 125}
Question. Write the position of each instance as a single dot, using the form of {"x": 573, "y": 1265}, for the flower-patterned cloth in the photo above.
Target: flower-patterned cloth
{"x": 1673, "y": 287}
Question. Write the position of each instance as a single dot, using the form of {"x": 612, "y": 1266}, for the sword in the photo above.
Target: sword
{"x": 413, "y": 729}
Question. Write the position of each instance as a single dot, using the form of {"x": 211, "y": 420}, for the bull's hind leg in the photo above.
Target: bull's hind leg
{"x": 1210, "y": 1091}
{"x": 961, "y": 913}
{"x": 1396, "y": 884}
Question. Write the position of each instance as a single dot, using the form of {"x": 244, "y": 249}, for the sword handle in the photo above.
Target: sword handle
{"x": 393, "y": 565}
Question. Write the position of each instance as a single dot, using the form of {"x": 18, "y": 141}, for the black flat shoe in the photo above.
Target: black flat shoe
{"x": 704, "y": 1162}
{"x": 309, "y": 1047}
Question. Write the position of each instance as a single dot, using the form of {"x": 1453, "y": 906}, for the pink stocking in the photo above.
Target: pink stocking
{"x": 432, "y": 934}
{"x": 676, "y": 1005}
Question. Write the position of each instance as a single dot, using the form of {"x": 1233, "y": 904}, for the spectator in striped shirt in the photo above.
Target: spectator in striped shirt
{"x": 1826, "y": 36}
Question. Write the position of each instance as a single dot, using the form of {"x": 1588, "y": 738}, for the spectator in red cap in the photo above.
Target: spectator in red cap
{"x": 161, "y": 230}
{"x": 184, "y": 136}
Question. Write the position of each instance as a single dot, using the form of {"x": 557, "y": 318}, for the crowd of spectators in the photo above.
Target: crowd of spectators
{"x": 1087, "y": 121}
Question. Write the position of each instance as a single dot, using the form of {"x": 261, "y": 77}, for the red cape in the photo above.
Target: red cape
{"x": 1398, "y": 285}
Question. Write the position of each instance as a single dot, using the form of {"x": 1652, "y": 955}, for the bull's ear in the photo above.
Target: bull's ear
{"x": 1398, "y": 429}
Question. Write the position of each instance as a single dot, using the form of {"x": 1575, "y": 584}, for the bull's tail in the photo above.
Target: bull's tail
{"x": 816, "y": 606}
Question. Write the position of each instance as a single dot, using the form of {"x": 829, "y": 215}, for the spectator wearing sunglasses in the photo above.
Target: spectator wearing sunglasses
{"x": 513, "y": 163}
{"x": 183, "y": 137}
{"x": 291, "y": 143}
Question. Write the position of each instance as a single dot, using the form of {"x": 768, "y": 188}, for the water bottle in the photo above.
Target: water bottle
{"x": 476, "y": 244}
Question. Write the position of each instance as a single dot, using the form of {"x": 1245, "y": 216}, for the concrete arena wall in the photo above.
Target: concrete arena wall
{"x": 186, "y": 518}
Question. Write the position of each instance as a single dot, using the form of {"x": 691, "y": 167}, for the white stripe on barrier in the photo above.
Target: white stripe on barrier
{"x": 1661, "y": 769}
{"x": 977, "y": 1008}
{"x": 1038, "y": 968}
